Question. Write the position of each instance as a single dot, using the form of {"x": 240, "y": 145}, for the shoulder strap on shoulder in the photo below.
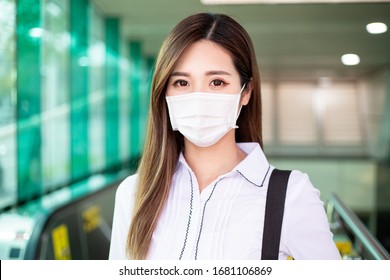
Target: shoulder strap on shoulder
{"x": 274, "y": 209}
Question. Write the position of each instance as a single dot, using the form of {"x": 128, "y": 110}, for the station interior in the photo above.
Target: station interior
{"x": 75, "y": 81}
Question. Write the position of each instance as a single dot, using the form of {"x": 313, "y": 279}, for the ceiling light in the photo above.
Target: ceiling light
{"x": 376, "y": 27}
{"x": 350, "y": 59}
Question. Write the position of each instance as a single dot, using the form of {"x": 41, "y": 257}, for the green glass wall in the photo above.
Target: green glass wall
{"x": 29, "y": 34}
{"x": 8, "y": 182}
{"x": 124, "y": 102}
{"x": 112, "y": 91}
{"x": 73, "y": 96}
{"x": 79, "y": 88}
{"x": 55, "y": 94}
{"x": 97, "y": 99}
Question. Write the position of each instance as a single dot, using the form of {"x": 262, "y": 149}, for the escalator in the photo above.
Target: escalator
{"x": 71, "y": 223}
{"x": 75, "y": 223}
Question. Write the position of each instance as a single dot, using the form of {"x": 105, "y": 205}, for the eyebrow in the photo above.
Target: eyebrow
{"x": 208, "y": 73}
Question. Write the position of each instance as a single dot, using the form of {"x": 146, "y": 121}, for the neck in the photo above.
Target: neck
{"x": 210, "y": 162}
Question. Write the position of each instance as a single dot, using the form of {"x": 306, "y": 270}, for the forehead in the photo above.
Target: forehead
{"x": 205, "y": 55}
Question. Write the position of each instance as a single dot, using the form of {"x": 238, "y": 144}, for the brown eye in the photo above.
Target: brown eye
{"x": 180, "y": 83}
{"x": 217, "y": 83}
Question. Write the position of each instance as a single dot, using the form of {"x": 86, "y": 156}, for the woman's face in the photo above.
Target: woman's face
{"x": 205, "y": 67}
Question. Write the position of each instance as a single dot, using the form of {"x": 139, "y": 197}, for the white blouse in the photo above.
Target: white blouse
{"x": 225, "y": 220}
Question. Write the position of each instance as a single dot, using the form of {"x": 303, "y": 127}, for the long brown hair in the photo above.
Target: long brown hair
{"x": 162, "y": 144}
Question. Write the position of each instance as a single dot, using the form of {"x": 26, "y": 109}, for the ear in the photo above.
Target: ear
{"x": 246, "y": 93}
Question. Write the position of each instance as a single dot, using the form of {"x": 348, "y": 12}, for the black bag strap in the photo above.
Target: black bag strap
{"x": 274, "y": 209}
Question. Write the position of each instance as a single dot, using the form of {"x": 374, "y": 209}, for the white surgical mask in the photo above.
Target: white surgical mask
{"x": 204, "y": 117}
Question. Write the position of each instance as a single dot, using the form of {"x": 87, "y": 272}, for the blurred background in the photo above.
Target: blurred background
{"x": 74, "y": 92}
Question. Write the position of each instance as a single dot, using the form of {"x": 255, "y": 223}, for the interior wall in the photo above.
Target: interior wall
{"x": 353, "y": 180}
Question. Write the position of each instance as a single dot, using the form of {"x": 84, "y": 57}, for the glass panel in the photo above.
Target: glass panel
{"x": 124, "y": 104}
{"x": 296, "y": 114}
{"x": 8, "y": 182}
{"x": 79, "y": 79}
{"x": 29, "y": 38}
{"x": 96, "y": 58}
{"x": 112, "y": 91}
{"x": 341, "y": 115}
{"x": 372, "y": 94}
{"x": 55, "y": 94}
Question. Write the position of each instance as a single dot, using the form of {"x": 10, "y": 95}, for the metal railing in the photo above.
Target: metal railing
{"x": 342, "y": 218}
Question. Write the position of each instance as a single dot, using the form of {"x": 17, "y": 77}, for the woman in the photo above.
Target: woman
{"x": 201, "y": 186}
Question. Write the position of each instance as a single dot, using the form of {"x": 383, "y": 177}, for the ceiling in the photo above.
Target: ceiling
{"x": 292, "y": 41}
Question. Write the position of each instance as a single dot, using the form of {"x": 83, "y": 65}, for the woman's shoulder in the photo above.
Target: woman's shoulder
{"x": 125, "y": 197}
{"x": 306, "y": 233}
{"x": 301, "y": 187}
{"x": 299, "y": 178}
{"x": 124, "y": 204}
{"x": 127, "y": 188}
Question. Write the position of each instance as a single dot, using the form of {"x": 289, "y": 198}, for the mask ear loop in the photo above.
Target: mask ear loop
{"x": 238, "y": 108}
{"x": 239, "y": 99}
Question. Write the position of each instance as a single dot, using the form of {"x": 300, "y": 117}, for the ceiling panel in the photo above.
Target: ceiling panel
{"x": 292, "y": 41}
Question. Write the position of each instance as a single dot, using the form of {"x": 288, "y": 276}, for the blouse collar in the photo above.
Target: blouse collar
{"x": 254, "y": 167}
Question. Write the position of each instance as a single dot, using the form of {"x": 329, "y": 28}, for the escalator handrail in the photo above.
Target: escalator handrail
{"x": 358, "y": 229}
